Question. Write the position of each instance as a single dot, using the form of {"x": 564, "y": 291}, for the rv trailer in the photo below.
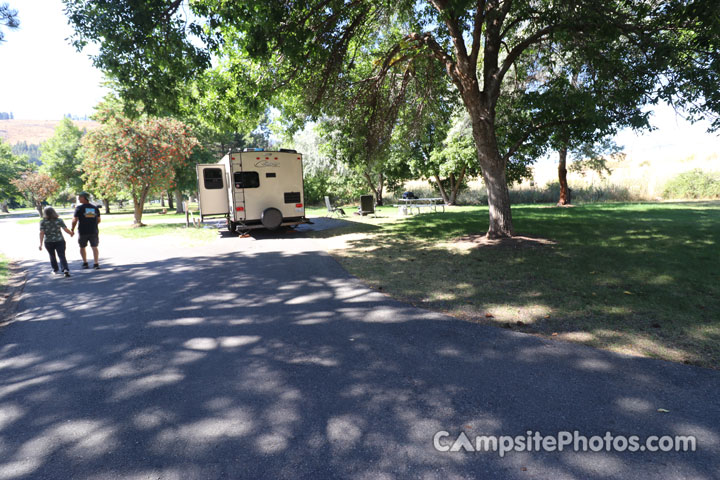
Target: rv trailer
{"x": 253, "y": 189}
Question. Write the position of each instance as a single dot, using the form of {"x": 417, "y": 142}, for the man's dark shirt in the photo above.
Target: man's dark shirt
{"x": 87, "y": 215}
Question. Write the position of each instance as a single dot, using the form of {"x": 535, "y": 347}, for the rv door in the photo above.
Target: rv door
{"x": 212, "y": 189}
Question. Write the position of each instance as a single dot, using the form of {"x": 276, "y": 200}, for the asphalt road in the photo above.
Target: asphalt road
{"x": 262, "y": 358}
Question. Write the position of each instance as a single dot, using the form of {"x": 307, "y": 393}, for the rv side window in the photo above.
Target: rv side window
{"x": 246, "y": 180}
{"x": 212, "y": 178}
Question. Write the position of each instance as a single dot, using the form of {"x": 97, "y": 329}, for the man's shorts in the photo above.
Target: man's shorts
{"x": 84, "y": 239}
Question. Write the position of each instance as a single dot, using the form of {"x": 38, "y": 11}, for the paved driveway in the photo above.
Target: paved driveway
{"x": 263, "y": 358}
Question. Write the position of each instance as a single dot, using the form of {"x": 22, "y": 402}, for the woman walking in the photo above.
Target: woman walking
{"x": 50, "y": 231}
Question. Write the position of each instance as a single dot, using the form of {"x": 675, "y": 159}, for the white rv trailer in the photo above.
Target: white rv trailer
{"x": 253, "y": 189}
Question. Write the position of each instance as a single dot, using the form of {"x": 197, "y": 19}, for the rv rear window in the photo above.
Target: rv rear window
{"x": 212, "y": 178}
{"x": 292, "y": 197}
{"x": 246, "y": 180}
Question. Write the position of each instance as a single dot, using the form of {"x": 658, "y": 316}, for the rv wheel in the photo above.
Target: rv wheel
{"x": 232, "y": 227}
{"x": 271, "y": 218}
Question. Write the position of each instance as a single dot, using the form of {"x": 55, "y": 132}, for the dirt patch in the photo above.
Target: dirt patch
{"x": 10, "y": 294}
{"x": 477, "y": 240}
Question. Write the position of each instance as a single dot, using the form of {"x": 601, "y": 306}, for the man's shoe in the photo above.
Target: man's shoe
{"x": 96, "y": 266}
{"x": 85, "y": 265}
{"x": 67, "y": 274}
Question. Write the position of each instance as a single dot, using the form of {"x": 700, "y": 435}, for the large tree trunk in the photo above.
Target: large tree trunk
{"x": 493, "y": 170}
{"x": 4, "y": 207}
{"x": 373, "y": 187}
{"x": 443, "y": 193}
{"x": 170, "y": 200}
{"x": 162, "y": 200}
{"x": 456, "y": 186}
{"x": 106, "y": 202}
{"x": 498, "y": 202}
{"x": 138, "y": 211}
{"x": 179, "y": 201}
{"x": 138, "y": 204}
{"x": 380, "y": 190}
{"x": 562, "y": 177}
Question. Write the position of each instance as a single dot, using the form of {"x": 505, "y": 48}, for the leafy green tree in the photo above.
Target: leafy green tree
{"x": 155, "y": 28}
{"x": 323, "y": 174}
{"x": 11, "y": 166}
{"x": 186, "y": 175}
{"x": 64, "y": 197}
{"x": 590, "y": 155}
{"x": 219, "y": 105}
{"x": 443, "y": 153}
{"x": 135, "y": 155}
{"x": 301, "y": 54}
{"x": 361, "y": 137}
{"x": 61, "y": 156}
{"x": 31, "y": 151}
{"x": 8, "y": 18}
{"x": 692, "y": 50}
{"x": 454, "y": 162}
{"x": 580, "y": 110}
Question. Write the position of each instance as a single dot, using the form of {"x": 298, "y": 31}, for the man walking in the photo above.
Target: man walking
{"x": 88, "y": 215}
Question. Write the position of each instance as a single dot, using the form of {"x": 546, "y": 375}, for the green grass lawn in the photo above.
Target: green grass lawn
{"x": 120, "y": 222}
{"x": 4, "y": 271}
{"x": 188, "y": 234}
{"x": 642, "y": 279}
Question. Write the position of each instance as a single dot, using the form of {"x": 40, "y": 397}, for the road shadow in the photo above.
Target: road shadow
{"x": 266, "y": 365}
{"x": 646, "y": 279}
{"x": 319, "y": 227}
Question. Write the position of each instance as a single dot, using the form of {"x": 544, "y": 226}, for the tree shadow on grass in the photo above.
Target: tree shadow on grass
{"x": 266, "y": 365}
{"x": 645, "y": 281}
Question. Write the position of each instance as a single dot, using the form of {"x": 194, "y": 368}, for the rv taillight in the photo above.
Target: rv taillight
{"x": 239, "y": 209}
{"x": 298, "y": 205}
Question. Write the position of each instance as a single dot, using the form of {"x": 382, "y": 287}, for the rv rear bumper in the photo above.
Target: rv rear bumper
{"x": 287, "y": 222}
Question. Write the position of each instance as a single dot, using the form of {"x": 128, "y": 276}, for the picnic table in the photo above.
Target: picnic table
{"x": 406, "y": 205}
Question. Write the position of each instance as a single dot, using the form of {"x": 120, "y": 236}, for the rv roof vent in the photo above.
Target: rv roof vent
{"x": 288, "y": 150}
{"x": 253, "y": 150}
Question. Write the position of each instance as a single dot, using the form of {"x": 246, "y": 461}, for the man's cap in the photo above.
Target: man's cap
{"x": 84, "y": 195}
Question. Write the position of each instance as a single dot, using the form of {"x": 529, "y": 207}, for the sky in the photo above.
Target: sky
{"x": 43, "y": 78}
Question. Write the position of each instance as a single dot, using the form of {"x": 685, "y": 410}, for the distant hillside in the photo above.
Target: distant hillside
{"x": 34, "y": 131}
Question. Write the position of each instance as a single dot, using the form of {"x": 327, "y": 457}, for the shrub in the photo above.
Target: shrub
{"x": 316, "y": 187}
{"x": 341, "y": 189}
{"x": 693, "y": 184}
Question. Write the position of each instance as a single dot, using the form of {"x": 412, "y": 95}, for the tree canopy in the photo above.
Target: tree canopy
{"x": 509, "y": 60}
{"x": 61, "y": 156}
{"x": 8, "y": 18}
{"x": 35, "y": 187}
{"x": 11, "y": 166}
{"x": 135, "y": 155}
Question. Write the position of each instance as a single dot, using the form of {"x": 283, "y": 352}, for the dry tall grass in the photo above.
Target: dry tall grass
{"x": 35, "y": 131}
{"x": 634, "y": 178}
